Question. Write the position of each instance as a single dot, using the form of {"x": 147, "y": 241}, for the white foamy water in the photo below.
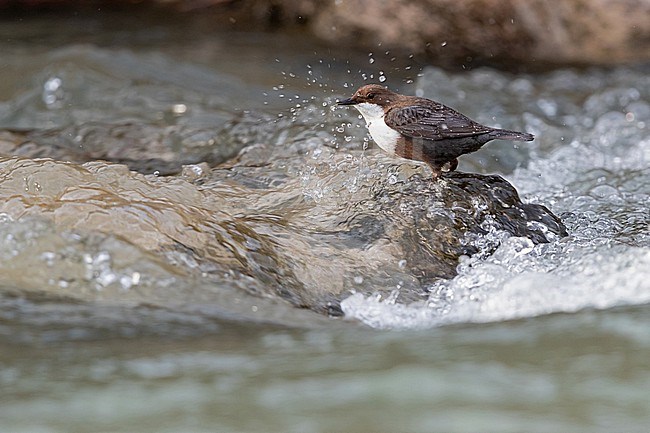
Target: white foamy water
{"x": 589, "y": 165}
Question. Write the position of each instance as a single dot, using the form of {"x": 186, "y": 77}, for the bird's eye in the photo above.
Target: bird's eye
{"x": 370, "y": 96}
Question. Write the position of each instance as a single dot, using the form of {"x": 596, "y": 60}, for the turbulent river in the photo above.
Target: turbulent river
{"x": 132, "y": 157}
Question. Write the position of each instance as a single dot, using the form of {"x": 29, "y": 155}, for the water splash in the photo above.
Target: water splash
{"x": 307, "y": 160}
{"x": 589, "y": 163}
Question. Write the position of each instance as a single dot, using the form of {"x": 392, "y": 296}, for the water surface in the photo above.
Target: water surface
{"x": 107, "y": 324}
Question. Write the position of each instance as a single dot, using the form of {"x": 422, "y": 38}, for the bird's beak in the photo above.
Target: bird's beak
{"x": 349, "y": 101}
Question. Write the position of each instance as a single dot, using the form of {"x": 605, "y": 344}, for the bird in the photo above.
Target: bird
{"x": 421, "y": 129}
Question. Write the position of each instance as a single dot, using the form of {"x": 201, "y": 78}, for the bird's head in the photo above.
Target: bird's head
{"x": 371, "y": 94}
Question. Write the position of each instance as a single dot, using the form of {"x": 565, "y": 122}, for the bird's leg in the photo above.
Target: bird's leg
{"x": 439, "y": 169}
{"x": 449, "y": 166}
{"x": 436, "y": 171}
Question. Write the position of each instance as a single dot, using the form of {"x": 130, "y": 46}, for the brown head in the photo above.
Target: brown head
{"x": 372, "y": 94}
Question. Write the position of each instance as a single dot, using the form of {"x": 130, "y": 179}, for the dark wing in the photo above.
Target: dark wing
{"x": 432, "y": 121}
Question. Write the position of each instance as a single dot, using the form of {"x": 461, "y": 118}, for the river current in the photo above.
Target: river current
{"x": 107, "y": 325}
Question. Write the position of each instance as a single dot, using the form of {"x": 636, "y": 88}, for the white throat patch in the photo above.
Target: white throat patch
{"x": 369, "y": 111}
{"x": 384, "y": 136}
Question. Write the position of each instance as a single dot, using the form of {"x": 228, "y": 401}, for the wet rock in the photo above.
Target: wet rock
{"x": 306, "y": 232}
{"x": 398, "y": 232}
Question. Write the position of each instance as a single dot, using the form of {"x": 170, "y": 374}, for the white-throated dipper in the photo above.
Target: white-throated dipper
{"x": 421, "y": 129}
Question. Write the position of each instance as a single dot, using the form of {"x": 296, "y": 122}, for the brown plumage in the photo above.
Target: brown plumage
{"x": 421, "y": 129}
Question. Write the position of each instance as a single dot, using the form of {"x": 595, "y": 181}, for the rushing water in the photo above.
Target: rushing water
{"x": 122, "y": 307}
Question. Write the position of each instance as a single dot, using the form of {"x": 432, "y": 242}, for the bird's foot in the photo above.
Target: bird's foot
{"x": 439, "y": 170}
{"x": 450, "y": 166}
{"x": 436, "y": 172}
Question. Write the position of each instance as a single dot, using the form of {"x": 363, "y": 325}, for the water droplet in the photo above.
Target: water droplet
{"x": 444, "y": 44}
{"x": 179, "y": 109}
{"x": 52, "y": 84}
{"x": 382, "y": 78}
{"x": 53, "y": 92}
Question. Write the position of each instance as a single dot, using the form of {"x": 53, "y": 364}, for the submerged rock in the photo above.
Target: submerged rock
{"x": 373, "y": 232}
{"x": 128, "y": 143}
{"x": 303, "y": 230}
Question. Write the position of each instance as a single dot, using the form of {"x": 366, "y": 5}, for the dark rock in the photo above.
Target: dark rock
{"x": 403, "y": 234}
{"x": 502, "y": 201}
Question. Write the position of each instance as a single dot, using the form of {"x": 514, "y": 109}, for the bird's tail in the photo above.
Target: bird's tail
{"x": 504, "y": 134}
